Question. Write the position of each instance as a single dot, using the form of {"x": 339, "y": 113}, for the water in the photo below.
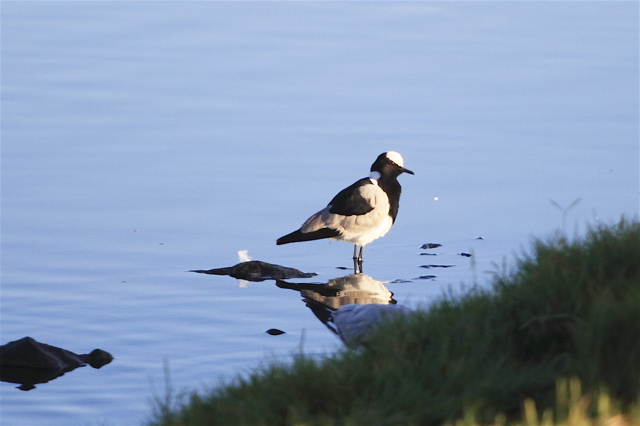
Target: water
{"x": 143, "y": 139}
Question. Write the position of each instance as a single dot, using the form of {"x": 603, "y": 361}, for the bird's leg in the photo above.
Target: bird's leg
{"x": 357, "y": 260}
{"x": 359, "y": 256}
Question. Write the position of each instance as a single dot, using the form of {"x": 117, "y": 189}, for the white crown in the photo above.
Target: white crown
{"x": 396, "y": 158}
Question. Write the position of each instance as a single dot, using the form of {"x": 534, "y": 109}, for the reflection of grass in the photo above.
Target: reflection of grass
{"x": 568, "y": 310}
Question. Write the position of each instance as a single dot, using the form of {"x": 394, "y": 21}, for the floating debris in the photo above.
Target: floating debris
{"x": 479, "y": 238}
{"x": 274, "y": 332}
{"x": 465, "y": 254}
{"x": 256, "y": 270}
{"x": 425, "y": 277}
{"x": 430, "y": 246}
{"x": 428, "y": 254}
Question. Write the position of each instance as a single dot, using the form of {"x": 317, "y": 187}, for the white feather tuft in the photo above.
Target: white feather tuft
{"x": 243, "y": 256}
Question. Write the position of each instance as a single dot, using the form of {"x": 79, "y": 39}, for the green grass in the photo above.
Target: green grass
{"x": 569, "y": 309}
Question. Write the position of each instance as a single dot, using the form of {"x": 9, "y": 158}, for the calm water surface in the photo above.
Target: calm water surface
{"x": 142, "y": 140}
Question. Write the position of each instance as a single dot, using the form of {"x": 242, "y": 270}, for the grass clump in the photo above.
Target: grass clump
{"x": 569, "y": 309}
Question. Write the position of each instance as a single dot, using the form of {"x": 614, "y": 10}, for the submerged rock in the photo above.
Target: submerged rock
{"x": 29, "y": 362}
{"x": 256, "y": 270}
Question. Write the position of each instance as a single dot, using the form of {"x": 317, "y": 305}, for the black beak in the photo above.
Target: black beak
{"x": 407, "y": 171}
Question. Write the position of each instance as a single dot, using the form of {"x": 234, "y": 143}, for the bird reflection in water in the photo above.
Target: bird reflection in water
{"x": 351, "y": 307}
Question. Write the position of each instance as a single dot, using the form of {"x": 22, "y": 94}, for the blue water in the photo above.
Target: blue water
{"x": 141, "y": 140}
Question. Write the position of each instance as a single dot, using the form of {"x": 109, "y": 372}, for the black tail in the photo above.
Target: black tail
{"x": 297, "y": 236}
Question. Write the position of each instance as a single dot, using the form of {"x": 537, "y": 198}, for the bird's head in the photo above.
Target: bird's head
{"x": 389, "y": 164}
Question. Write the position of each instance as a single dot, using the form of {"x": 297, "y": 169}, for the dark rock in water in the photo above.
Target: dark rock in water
{"x": 425, "y": 277}
{"x": 97, "y": 358}
{"x": 29, "y": 362}
{"x": 465, "y": 254}
{"x": 430, "y": 246}
{"x": 256, "y": 270}
{"x": 436, "y": 266}
{"x": 274, "y": 332}
{"x": 27, "y": 352}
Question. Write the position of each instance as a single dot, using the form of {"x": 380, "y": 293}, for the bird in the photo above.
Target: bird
{"x": 360, "y": 213}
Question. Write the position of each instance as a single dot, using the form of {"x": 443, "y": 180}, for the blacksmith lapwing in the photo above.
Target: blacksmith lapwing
{"x": 361, "y": 212}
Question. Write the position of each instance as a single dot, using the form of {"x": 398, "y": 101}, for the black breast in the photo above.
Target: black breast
{"x": 393, "y": 189}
